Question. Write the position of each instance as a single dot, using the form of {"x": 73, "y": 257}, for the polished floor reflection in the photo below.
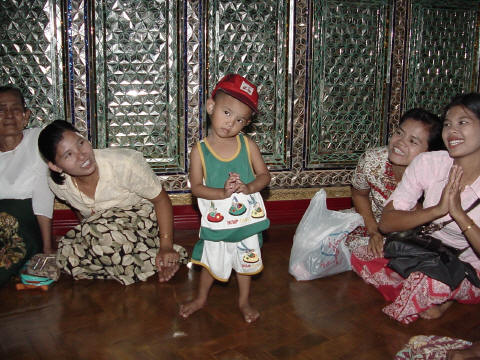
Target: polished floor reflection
{"x": 338, "y": 317}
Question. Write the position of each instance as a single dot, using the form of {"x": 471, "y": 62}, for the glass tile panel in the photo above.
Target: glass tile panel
{"x": 349, "y": 76}
{"x": 137, "y": 80}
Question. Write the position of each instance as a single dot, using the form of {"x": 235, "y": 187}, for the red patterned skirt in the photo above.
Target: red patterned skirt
{"x": 411, "y": 296}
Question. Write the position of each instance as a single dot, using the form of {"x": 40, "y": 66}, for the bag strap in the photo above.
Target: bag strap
{"x": 470, "y": 208}
{"x": 431, "y": 227}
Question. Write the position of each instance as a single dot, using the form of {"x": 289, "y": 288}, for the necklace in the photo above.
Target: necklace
{"x": 92, "y": 206}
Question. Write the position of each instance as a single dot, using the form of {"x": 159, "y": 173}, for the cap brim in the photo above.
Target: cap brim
{"x": 240, "y": 97}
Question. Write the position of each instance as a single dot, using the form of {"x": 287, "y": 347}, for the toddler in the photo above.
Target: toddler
{"x": 226, "y": 174}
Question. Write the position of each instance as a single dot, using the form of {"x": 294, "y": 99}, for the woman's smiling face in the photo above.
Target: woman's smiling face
{"x": 461, "y": 132}
{"x": 74, "y": 156}
{"x": 409, "y": 140}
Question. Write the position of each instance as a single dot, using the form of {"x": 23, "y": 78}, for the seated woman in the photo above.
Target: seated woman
{"x": 379, "y": 170}
{"x": 127, "y": 228}
{"x": 449, "y": 183}
{"x": 26, "y": 202}
{"x": 376, "y": 176}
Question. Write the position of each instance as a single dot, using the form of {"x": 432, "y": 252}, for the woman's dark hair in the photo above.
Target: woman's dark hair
{"x": 432, "y": 121}
{"x": 48, "y": 141}
{"x": 470, "y": 101}
{"x": 15, "y": 91}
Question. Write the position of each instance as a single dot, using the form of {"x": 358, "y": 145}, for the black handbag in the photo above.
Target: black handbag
{"x": 415, "y": 250}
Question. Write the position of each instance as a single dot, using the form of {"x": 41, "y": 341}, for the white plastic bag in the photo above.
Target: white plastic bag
{"x": 319, "y": 243}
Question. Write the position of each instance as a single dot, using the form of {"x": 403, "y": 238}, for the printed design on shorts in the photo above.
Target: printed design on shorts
{"x": 213, "y": 215}
{"x": 237, "y": 207}
{"x": 257, "y": 211}
{"x": 250, "y": 256}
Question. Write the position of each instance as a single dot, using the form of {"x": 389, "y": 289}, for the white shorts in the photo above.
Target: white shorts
{"x": 219, "y": 257}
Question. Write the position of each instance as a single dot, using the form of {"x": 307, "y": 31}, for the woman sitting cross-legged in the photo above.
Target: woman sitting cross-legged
{"x": 127, "y": 228}
{"x": 26, "y": 202}
{"x": 450, "y": 185}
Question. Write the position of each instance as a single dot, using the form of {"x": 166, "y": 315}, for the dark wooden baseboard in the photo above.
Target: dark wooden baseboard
{"x": 188, "y": 216}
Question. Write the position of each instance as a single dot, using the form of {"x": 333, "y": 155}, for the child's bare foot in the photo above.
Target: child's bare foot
{"x": 189, "y": 308}
{"x": 249, "y": 314}
{"x": 435, "y": 311}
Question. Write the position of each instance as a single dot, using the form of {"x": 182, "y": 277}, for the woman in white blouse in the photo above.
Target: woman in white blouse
{"x": 26, "y": 202}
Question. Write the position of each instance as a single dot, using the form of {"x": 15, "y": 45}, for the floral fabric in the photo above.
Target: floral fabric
{"x": 431, "y": 347}
{"x": 375, "y": 173}
{"x": 12, "y": 247}
{"x": 19, "y": 236}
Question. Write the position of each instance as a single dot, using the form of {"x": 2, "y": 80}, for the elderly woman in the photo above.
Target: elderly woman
{"x": 127, "y": 223}
{"x": 26, "y": 202}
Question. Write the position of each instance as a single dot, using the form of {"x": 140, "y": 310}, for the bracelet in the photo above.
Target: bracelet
{"x": 165, "y": 236}
{"x": 468, "y": 228}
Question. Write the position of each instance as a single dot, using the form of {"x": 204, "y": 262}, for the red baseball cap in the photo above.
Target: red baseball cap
{"x": 240, "y": 88}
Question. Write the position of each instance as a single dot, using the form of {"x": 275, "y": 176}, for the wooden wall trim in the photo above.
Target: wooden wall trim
{"x": 188, "y": 216}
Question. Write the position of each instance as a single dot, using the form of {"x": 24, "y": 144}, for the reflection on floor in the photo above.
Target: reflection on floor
{"x": 338, "y": 317}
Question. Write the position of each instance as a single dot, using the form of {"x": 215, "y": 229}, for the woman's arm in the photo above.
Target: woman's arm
{"x": 471, "y": 231}
{"x": 363, "y": 206}
{"x": 167, "y": 258}
{"x": 452, "y": 191}
{"x": 42, "y": 205}
{"x": 45, "y": 225}
{"x": 399, "y": 220}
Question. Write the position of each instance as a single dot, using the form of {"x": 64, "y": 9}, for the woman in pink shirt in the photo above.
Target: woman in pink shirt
{"x": 450, "y": 183}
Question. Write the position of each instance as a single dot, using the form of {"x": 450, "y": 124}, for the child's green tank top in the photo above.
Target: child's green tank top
{"x": 216, "y": 169}
{"x": 239, "y": 216}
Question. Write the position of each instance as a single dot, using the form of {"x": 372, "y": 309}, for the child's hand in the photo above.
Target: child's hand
{"x": 231, "y": 186}
{"x": 242, "y": 188}
{"x": 167, "y": 264}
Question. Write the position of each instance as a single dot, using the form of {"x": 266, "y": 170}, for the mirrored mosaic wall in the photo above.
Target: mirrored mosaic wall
{"x": 31, "y": 55}
{"x": 333, "y": 76}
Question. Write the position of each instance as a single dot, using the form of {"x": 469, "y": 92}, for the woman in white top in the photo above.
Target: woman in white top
{"x": 26, "y": 202}
{"x": 127, "y": 223}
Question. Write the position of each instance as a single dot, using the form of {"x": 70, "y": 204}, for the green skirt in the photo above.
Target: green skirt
{"x": 20, "y": 236}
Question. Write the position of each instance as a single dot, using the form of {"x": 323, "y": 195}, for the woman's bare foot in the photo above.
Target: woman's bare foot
{"x": 435, "y": 311}
{"x": 249, "y": 314}
{"x": 189, "y": 308}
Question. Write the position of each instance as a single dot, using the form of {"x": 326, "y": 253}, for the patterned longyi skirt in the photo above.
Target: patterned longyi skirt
{"x": 119, "y": 244}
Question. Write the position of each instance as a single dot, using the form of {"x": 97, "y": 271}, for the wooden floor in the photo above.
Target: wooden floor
{"x": 338, "y": 317}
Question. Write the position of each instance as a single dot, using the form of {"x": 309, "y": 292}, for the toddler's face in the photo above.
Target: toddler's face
{"x": 228, "y": 115}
